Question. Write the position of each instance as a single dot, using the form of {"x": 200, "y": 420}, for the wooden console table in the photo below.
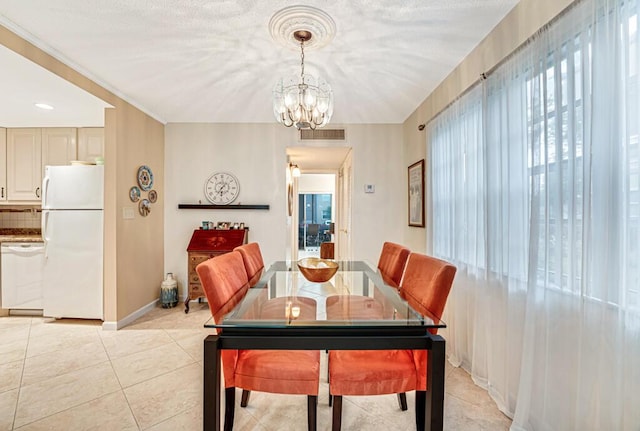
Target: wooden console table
{"x": 204, "y": 245}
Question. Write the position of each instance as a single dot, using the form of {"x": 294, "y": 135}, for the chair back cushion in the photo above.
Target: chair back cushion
{"x": 224, "y": 281}
{"x": 427, "y": 282}
{"x": 391, "y": 263}
{"x": 253, "y": 262}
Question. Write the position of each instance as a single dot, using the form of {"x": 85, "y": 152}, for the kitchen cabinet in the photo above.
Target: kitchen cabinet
{"x": 90, "y": 143}
{"x": 24, "y": 164}
{"x": 58, "y": 146}
{"x": 3, "y": 164}
{"x": 29, "y": 150}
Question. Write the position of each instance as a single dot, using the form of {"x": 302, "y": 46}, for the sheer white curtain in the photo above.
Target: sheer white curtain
{"x": 536, "y": 199}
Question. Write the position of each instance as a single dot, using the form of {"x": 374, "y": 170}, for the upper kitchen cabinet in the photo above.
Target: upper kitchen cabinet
{"x": 28, "y": 151}
{"x": 90, "y": 143}
{"x": 3, "y": 164}
{"x": 24, "y": 164}
{"x": 58, "y": 146}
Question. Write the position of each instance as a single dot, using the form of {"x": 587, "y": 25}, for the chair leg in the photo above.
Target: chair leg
{"x": 329, "y": 379}
{"x": 229, "y": 408}
{"x": 312, "y": 408}
{"x": 421, "y": 398}
{"x": 244, "y": 401}
{"x": 402, "y": 400}
{"x": 337, "y": 413}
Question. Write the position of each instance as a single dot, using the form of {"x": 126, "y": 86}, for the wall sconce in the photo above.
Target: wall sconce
{"x": 295, "y": 170}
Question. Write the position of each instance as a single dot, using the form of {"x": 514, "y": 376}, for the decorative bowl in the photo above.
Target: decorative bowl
{"x": 317, "y": 270}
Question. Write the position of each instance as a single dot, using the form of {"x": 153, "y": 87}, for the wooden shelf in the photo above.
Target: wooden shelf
{"x": 221, "y": 207}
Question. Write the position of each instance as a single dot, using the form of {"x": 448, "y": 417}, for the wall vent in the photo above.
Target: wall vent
{"x": 322, "y": 134}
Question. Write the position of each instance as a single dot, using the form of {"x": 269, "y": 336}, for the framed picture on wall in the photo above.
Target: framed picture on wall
{"x": 416, "y": 194}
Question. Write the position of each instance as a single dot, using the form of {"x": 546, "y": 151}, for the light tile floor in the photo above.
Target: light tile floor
{"x": 72, "y": 375}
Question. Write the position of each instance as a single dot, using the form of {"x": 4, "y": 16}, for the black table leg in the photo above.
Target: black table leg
{"x": 212, "y": 373}
{"x": 434, "y": 402}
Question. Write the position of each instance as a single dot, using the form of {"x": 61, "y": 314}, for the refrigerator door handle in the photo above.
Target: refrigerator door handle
{"x": 45, "y": 190}
{"x": 43, "y": 228}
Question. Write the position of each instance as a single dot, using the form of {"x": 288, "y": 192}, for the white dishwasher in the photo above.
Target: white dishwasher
{"x": 21, "y": 271}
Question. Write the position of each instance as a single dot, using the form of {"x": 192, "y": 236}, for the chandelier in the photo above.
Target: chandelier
{"x": 305, "y": 102}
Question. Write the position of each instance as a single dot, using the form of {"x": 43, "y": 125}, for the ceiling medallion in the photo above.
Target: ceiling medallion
{"x": 286, "y": 22}
{"x": 305, "y": 102}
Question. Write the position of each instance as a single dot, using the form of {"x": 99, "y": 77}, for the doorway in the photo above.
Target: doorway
{"x": 316, "y": 215}
{"x": 319, "y": 201}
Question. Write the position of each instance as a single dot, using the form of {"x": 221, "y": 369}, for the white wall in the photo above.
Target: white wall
{"x": 317, "y": 183}
{"x": 256, "y": 155}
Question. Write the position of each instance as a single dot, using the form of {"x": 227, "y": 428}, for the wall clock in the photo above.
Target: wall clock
{"x": 221, "y": 188}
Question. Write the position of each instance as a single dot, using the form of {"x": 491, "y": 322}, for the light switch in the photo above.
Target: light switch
{"x": 128, "y": 213}
{"x": 369, "y": 188}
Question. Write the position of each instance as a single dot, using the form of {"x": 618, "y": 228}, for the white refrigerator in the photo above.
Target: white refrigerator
{"x": 72, "y": 231}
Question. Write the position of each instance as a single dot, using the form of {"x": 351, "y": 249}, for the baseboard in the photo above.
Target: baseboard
{"x": 114, "y": 326}
{"x": 25, "y": 312}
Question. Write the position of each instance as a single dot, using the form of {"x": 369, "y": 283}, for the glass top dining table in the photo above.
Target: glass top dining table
{"x": 354, "y": 310}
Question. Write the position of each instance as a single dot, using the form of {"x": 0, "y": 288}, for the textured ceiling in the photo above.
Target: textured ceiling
{"x": 215, "y": 61}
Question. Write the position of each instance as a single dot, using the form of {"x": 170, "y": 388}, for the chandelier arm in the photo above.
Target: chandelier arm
{"x": 285, "y": 118}
{"x": 290, "y": 116}
{"x": 318, "y": 123}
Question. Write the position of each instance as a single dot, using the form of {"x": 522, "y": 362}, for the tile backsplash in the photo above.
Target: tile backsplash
{"x": 27, "y": 218}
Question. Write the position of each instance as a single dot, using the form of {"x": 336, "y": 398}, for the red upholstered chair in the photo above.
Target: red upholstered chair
{"x": 225, "y": 283}
{"x": 253, "y": 263}
{"x": 391, "y": 266}
{"x": 425, "y": 285}
{"x": 391, "y": 263}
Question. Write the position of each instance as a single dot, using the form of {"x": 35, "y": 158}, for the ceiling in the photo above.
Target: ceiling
{"x": 317, "y": 159}
{"x": 23, "y": 84}
{"x": 215, "y": 61}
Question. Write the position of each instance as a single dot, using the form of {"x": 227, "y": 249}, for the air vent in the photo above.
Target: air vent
{"x": 322, "y": 134}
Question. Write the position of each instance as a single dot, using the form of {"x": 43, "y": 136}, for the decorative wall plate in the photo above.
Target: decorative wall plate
{"x": 153, "y": 196}
{"x": 145, "y": 178}
{"x": 134, "y": 194}
{"x": 144, "y": 207}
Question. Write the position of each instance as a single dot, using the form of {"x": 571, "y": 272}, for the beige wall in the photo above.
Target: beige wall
{"x": 520, "y": 24}
{"x": 140, "y": 241}
{"x": 134, "y": 248}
